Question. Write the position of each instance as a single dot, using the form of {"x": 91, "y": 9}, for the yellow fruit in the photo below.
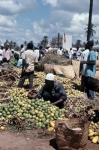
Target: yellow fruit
{"x": 90, "y": 131}
{"x": 98, "y": 139}
{"x": 95, "y": 139}
{"x": 96, "y": 133}
{"x": 52, "y": 124}
{"x": 50, "y": 129}
{"x": 2, "y": 128}
{"x": 91, "y": 134}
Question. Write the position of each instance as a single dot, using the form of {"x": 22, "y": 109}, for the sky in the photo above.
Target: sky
{"x": 31, "y": 20}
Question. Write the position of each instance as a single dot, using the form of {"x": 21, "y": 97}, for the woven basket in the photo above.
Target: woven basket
{"x": 4, "y": 97}
{"x": 76, "y": 65}
{"x": 32, "y": 94}
{"x": 69, "y": 139}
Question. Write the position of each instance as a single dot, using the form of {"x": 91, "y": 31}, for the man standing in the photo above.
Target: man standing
{"x": 29, "y": 59}
{"x": 82, "y": 70}
{"x": 7, "y": 52}
{"x": 1, "y": 53}
{"x": 90, "y": 69}
{"x": 22, "y": 50}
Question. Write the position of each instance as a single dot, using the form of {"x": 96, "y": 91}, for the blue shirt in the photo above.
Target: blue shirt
{"x": 91, "y": 69}
{"x": 19, "y": 64}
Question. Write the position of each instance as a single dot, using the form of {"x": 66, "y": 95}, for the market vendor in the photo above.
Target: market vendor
{"x": 53, "y": 91}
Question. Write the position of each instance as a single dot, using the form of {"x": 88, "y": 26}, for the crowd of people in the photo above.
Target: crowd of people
{"x": 51, "y": 90}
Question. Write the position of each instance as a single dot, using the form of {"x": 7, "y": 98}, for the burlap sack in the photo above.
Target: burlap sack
{"x": 68, "y": 71}
{"x": 76, "y": 65}
{"x": 69, "y": 139}
{"x": 48, "y": 68}
{"x": 57, "y": 69}
{"x": 97, "y": 63}
{"x": 97, "y": 75}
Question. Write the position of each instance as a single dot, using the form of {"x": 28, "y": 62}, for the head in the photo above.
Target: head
{"x": 60, "y": 48}
{"x": 30, "y": 46}
{"x": 48, "y": 46}
{"x": 90, "y": 45}
{"x": 6, "y": 46}
{"x": 49, "y": 80}
{"x": 2, "y": 46}
{"x": 77, "y": 48}
{"x": 40, "y": 47}
{"x": 4, "y": 60}
{"x": 22, "y": 45}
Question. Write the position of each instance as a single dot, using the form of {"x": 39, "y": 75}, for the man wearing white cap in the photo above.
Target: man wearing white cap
{"x": 53, "y": 91}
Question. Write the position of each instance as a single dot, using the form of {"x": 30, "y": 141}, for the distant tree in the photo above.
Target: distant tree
{"x": 78, "y": 43}
{"x": 25, "y": 43}
{"x": 96, "y": 42}
{"x": 45, "y": 40}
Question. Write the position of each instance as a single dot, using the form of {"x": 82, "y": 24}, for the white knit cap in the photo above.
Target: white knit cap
{"x": 49, "y": 77}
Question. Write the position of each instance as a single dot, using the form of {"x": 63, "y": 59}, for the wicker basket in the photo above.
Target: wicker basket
{"x": 69, "y": 139}
{"x": 32, "y": 94}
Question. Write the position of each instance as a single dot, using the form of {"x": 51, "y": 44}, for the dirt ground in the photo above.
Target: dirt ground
{"x": 18, "y": 141}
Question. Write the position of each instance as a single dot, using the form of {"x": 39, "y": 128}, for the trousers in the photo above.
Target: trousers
{"x": 24, "y": 76}
{"x": 47, "y": 96}
{"x": 90, "y": 93}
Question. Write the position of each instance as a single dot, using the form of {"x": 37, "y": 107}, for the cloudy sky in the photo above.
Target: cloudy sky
{"x": 26, "y": 20}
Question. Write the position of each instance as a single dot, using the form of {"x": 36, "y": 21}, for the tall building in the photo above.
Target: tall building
{"x": 64, "y": 41}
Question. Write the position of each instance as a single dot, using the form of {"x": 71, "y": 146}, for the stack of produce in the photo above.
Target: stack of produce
{"x": 38, "y": 110}
{"x": 94, "y": 132}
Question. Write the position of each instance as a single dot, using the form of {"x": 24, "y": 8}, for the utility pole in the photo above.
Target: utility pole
{"x": 58, "y": 39}
{"x": 90, "y": 20}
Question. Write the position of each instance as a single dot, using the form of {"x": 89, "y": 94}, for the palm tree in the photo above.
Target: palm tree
{"x": 25, "y": 43}
{"x": 92, "y": 31}
{"x": 90, "y": 20}
{"x": 78, "y": 43}
{"x": 45, "y": 40}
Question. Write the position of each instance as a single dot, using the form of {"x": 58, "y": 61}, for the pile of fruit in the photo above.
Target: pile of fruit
{"x": 39, "y": 110}
{"x": 93, "y": 133}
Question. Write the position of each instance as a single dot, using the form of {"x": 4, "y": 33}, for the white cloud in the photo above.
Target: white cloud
{"x": 51, "y": 2}
{"x": 8, "y": 7}
{"x": 70, "y": 16}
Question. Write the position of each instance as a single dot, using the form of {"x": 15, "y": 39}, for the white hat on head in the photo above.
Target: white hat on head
{"x": 48, "y": 45}
{"x": 7, "y": 44}
{"x": 49, "y": 77}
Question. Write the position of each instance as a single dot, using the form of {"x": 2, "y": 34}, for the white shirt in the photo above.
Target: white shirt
{"x": 84, "y": 57}
{"x": 1, "y": 53}
{"x": 49, "y": 49}
{"x": 70, "y": 54}
{"x": 37, "y": 53}
{"x": 22, "y": 50}
{"x": 59, "y": 52}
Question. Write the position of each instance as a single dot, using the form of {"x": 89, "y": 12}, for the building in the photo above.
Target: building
{"x": 64, "y": 41}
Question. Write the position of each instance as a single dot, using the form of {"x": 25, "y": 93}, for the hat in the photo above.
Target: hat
{"x": 7, "y": 44}
{"x": 48, "y": 45}
{"x": 49, "y": 77}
